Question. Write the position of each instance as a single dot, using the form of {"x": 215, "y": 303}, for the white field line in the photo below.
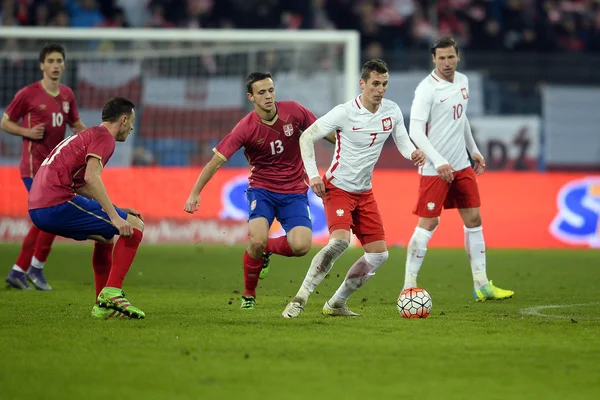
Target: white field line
{"x": 537, "y": 311}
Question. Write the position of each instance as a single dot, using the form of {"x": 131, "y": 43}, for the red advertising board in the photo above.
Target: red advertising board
{"x": 520, "y": 210}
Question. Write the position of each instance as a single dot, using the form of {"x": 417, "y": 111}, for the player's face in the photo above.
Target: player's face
{"x": 445, "y": 61}
{"x": 263, "y": 94}
{"x": 126, "y": 126}
{"x": 53, "y": 66}
{"x": 374, "y": 88}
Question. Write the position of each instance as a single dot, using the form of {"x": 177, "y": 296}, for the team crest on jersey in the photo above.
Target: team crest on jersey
{"x": 430, "y": 206}
{"x": 387, "y": 124}
{"x": 42, "y": 106}
{"x": 288, "y": 129}
{"x": 465, "y": 93}
{"x": 253, "y": 205}
{"x": 66, "y": 107}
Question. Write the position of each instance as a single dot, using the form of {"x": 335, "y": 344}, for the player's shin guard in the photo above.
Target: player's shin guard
{"x": 320, "y": 266}
{"x": 102, "y": 263}
{"x": 252, "y": 267}
{"x": 123, "y": 256}
{"x": 279, "y": 246}
{"x": 415, "y": 253}
{"x": 359, "y": 274}
{"x": 43, "y": 245}
{"x": 475, "y": 247}
{"x": 27, "y": 248}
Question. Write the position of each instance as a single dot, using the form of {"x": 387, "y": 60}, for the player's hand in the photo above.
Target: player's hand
{"x": 133, "y": 212}
{"x": 124, "y": 227}
{"x": 418, "y": 157}
{"x": 479, "y": 163}
{"x": 445, "y": 172}
{"x": 317, "y": 186}
{"x": 36, "y": 132}
{"x": 192, "y": 204}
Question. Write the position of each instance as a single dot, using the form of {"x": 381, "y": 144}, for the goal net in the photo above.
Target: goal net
{"x": 189, "y": 90}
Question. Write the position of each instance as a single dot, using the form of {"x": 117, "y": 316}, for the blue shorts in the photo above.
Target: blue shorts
{"x": 291, "y": 210}
{"x": 28, "y": 182}
{"x": 77, "y": 219}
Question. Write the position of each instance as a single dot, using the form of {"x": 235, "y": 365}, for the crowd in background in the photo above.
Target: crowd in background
{"x": 385, "y": 25}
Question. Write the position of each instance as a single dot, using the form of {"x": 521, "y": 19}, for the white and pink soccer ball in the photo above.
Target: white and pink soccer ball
{"x": 414, "y": 303}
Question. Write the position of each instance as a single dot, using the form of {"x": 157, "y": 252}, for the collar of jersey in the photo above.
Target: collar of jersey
{"x": 441, "y": 81}
{"x": 363, "y": 109}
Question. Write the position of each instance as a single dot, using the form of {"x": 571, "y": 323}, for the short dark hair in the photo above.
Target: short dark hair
{"x": 51, "y": 47}
{"x": 442, "y": 43}
{"x": 375, "y": 65}
{"x": 116, "y": 107}
{"x": 255, "y": 77}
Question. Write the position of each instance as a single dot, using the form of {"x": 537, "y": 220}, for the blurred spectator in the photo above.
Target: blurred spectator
{"x": 84, "y": 13}
{"x": 384, "y": 25}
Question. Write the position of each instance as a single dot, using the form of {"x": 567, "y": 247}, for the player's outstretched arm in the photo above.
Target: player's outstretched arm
{"x": 209, "y": 170}
{"x": 35, "y": 133}
{"x": 97, "y": 190}
{"x": 473, "y": 149}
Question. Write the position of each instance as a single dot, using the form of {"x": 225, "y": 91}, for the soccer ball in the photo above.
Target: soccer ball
{"x": 414, "y": 303}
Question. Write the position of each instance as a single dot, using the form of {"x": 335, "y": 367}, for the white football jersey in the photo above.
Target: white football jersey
{"x": 359, "y": 141}
{"x": 443, "y": 106}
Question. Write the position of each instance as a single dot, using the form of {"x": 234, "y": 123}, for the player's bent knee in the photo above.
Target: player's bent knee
{"x": 429, "y": 223}
{"x": 473, "y": 222}
{"x": 135, "y": 222}
{"x": 258, "y": 245}
{"x": 300, "y": 249}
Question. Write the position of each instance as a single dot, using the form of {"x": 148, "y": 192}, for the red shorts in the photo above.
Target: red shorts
{"x": 434, "y": 192}
{"x": 353, "y": 211}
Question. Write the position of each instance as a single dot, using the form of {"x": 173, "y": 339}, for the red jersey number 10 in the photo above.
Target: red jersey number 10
{"x": 458, "y": 111}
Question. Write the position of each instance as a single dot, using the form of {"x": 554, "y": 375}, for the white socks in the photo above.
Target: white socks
{"x": 320, "y": 266}
{"x": 35, "y": 263}
{"x": 17, "y": 268}
{"x": 475, "y": 247}
{"x": 417, "y": 247}
{"x": 360, "y": 272}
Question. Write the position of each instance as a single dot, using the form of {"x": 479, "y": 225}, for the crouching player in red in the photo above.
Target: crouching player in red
{"x": 68, "y": 198}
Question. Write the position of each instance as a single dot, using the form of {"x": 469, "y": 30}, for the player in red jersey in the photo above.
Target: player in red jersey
{"x": 45, "y": 108}
{"x": 68, "y": 198}
{"x": 277, "y": 181}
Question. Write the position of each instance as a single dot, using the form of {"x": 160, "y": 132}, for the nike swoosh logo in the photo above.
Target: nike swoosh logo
{"x": 355, "y": 128}
{"x": 443, "y": 100}
{"x": 420, "y": 256}
{"x": 482, "y": 251}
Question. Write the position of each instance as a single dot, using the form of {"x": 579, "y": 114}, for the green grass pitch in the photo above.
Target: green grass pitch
{"x": 196, "y": 343}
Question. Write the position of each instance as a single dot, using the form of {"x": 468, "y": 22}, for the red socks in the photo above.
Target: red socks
{"x": 252, "y": 267}
{"x": 279, "y": 246}
{"x": 27, "y": 248}
{"x": 102, "y": 262}
{"x": 123, "y": 256}
{"x": 43, "y": 245}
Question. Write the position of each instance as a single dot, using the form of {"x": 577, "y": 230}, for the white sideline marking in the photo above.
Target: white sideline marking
{"x": 536, "y": 311}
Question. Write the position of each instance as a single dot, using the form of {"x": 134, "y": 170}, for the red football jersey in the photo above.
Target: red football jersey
{"x": 272, "y": 150}
{"x": 64, "y": 168}
{"x": 34, "y": 105}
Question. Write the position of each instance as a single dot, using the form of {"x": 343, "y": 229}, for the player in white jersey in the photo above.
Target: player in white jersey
{"x": 439, "y": 126}
{"x": 362, "y": 125}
